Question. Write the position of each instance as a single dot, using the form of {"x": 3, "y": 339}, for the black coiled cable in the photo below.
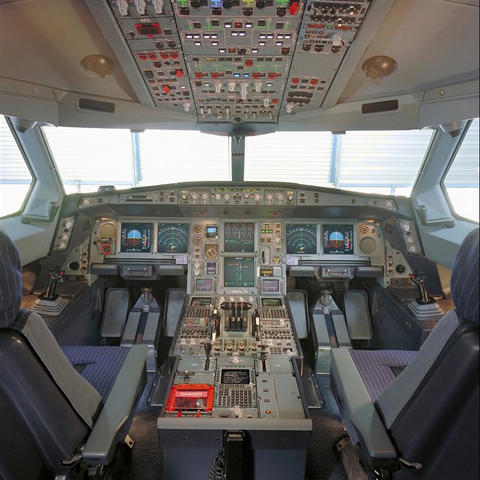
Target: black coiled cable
{"x": 217, "y": 471}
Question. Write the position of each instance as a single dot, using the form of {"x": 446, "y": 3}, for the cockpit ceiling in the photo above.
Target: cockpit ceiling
{"x": 239, "y": 66}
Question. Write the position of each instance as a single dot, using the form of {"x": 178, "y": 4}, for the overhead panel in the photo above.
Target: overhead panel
{"x": 238, "y": 61}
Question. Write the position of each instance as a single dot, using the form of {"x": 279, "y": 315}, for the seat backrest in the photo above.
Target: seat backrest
{"x": 431, "y": 409}
{"x": 41, "y": 393}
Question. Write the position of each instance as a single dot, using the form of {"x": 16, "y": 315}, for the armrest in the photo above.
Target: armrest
{"x": 115, "y": 417}
{"x": 359, "y": 411}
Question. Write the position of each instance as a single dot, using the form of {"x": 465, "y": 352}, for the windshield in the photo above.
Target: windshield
{"x": 372, "y": 162}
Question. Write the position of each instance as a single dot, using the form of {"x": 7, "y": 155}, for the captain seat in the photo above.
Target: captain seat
{"x": 57, "y": 418}
{"x": 414, "y": 415}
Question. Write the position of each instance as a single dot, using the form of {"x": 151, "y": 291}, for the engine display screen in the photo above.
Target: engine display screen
{"x": 236, "y": 376}
{"x": 136, "y": 237}
{"x": 338, "y": 239}
{"x": 204, "y": 285}
{"x": 172, "y": 237}
{"x": 270, "y": 285}
{"x": 238, "y": 272}
{"x": 239, "y": 237}
{"x": 301, "y": 239}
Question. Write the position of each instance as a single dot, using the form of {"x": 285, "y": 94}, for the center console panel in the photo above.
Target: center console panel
{"x": 235, "y": 365}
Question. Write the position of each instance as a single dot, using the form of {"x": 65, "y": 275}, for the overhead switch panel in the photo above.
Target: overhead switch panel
{"x": 238, "y": 60}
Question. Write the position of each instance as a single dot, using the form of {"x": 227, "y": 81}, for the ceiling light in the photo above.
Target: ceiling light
{"x": 379, "y": 66}
{"x": 98, "y": 65}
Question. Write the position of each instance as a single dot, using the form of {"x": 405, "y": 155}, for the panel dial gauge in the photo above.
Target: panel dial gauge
{"x": 211, "y": 251}
{"x": 197, "y": 241}
{"x": 198, "y": 229}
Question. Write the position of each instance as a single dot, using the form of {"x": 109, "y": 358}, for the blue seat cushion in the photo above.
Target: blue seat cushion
{"x": 98, "y": 365}
{"x": 378, "y": 368}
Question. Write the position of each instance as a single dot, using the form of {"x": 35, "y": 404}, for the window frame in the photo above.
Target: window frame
{"x": 13, "y": 131}
{"x": 454, "y": 213}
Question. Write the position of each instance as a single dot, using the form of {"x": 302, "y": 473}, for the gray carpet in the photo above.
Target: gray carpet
{"x": 322, "y": 462}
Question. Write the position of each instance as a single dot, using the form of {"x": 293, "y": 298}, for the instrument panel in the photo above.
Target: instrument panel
{"x": 240, "y": 256}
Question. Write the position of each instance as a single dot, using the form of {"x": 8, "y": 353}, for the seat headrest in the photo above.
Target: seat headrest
{"x": 10, "y": 280}
{"x": 464, "y": 280}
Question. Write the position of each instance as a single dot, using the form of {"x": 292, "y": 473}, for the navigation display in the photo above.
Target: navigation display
{"x": 239, "y": 237}
{"x": 238, "y": 272}
{"x": 302, "y": 238}
{"x": 338, "y": 239}
{"x": 172, "y": 237}
{"x": 136, "y": 237}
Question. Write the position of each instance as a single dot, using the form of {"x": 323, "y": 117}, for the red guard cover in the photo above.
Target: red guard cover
{"x": 190, "y": 397}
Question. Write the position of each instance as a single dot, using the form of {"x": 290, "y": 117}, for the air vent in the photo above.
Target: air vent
{"x": 377, "y": 107}
{"x": 138, "y": 198}
{"x": 96, "y": 106}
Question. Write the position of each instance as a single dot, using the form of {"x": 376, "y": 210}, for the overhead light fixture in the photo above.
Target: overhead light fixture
{"x": 98, "y": 66}
{"x": 379, "y": 66}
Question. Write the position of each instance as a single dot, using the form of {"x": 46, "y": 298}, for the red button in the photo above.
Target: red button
{"x": 166, "y": 89}
{"x": 248, "y": 63}
{"x": 314, "y": 81}
{"x": 295, "y": 80}
{"x": 293, "y": 8}
{"x": 179, "y": 73}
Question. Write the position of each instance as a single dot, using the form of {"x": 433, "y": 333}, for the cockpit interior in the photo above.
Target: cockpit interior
{"x": 239, "y": 239}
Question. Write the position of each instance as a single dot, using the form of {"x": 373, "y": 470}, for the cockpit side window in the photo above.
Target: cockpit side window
{"x": 16, "y": 178}
{"x": 461, "y": 181}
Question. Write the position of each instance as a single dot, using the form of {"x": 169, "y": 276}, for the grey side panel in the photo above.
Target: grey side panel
{"x": 319, "y": 322}
{"x": 131, "y": 328}
{"x": 296, "y": 301}
{"x": 357, "y": 407}
{"x": 110, "y": 426}
{"x": 151, "y": 327}
{"x": 175, "y": 300}
{"x": 340, "y": 326}
{"x": 396, "y": 395}
{"x": 82, "y": 396}
{"x": 116, "y": 308}
{"x": 358, "y": 316}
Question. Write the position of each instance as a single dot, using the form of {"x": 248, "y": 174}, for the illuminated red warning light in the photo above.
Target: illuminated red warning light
{"x": 148, "y": 29}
